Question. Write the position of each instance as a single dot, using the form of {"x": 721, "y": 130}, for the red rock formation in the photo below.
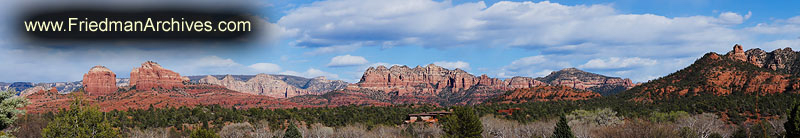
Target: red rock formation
{"x": 431, "y": 80}
{"x": 99, "y": 81}
{"x": 737, "y": 53}
{"x": 546, "y": 93}
{"x": 153, "y": 76}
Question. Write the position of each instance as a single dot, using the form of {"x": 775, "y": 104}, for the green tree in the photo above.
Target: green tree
{"x": 203, "y": 133}
{"x": 8, "y": 108}
{"x": 562, "y": 129}
{"x": 464, "y": 123}
{"x": 79, "y": 121}
{"x": 792, "y": 124}
{"x": 292, "y": 132}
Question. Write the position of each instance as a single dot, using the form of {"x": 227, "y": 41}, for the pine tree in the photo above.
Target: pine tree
{"x": 562, "y": 129}
{"x": 80, "y": 121}
{"x": 792, "y": 124}
{"x": 464, "y": 123}
{"x": 292, "y": 132}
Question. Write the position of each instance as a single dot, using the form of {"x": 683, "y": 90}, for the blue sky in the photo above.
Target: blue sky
{"x": 641, "y": 40}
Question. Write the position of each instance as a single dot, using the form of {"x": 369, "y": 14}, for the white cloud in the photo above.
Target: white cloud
{"x": 453, "y": 65}
{"x": 265, "y": 67}
{"x": 334, "y": 49}
{"x": 347, "y": 60}
{"x": 733, "y": 18}
{"x": 525, "y": 24}
{"x": 533, "y": 66}
{"x": 311, "y": 73}
{"x": 214, "y": 61}
{"x": 788, "y": 26}
{"x": 527, "y": 61}
{"x": 617, "y": 63}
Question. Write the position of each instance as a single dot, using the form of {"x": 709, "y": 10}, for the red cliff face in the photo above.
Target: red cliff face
{"x": 153, "y": 76}
{"x": 432, "y": 79}
{"x": 99, "y": 81}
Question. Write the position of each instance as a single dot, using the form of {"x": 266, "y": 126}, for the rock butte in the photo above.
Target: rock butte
{"x": 152, "y": 76}
{"x": 99, "y": 81}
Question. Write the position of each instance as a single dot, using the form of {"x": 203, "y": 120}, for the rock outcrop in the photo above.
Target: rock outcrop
{"x": 583, "y": 80}
{"x": 152, "y": 76}
{"x": 99, "y": 81}
{"x": 784, "y": 60}
{"x": 431, "y": 80}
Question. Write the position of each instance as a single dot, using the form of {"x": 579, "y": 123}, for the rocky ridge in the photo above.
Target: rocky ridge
{"x": 583, "y": 80}
{"x": 735, "y": 72}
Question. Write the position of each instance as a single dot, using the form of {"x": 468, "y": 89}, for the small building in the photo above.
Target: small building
{"x": 428, "y": 117}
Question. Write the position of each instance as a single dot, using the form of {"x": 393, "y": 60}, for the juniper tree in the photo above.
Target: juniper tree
{"x": 80, "y": 121}
{"x": 292, "y": 132}
{"x": 792, "y": 124}
{"x": 9, "y": 107}
{"x": 463, "y": 123}
{"x": 562, "y": 129}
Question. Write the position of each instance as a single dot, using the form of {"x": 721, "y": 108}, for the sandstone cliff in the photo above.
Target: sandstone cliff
{"x": 152, "y": 76}
{"x": 99, "y": 81}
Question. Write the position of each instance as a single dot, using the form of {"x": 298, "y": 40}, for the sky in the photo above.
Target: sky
{"x": 339, "y": 39}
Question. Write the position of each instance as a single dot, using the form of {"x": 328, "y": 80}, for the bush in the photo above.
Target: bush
{"x": 203, "y": 133}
